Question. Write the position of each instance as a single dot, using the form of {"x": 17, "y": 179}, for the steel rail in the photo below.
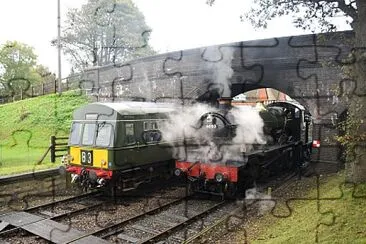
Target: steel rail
{"x": 116, "y": 228}
{"x": 183, "y": 223}
{"x": 38, "y": 207}
{"x": 74, "y": 198}
{"x": 223, "y": 219}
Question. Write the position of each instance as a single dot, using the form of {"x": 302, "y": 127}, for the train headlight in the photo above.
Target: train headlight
{"x": 219, "y": 177}
{"x": 178, "y": 172}
{"x": 66, "y": 159}
{"x": 316, "y": 144}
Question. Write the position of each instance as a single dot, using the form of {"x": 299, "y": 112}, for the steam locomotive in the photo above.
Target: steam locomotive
{"x": 229, "y": 165}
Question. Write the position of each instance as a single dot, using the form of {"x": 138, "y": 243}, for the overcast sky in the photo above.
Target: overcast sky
{"x": 175, "y": 24}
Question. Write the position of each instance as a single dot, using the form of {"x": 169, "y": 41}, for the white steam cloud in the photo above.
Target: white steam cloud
{"x": 219, "y": 64}
{"x": 250, "y": 125}
{"x": 199, "y": 141}
{"x": 200, "y": 145}
{"x": 263, "y": 202}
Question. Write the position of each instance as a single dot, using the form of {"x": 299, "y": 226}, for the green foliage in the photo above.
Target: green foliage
{"x": 44, "y": 74}
{"x": 104, "y": 32}
{"x": 26, "y": 127}
{"x": 351, "y": 135}
{"x": 42, "y": 116}
{"x": 303, "y": 224}
{"x": 308, "y": 15}
{"x": 19, "y": 160}
{"x": 19, "y": 69}
{"x": 17, "y": 61}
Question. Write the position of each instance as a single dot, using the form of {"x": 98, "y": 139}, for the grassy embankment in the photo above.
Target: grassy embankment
{"x": 26, "y": 127}
{"x": 342, "y": 220}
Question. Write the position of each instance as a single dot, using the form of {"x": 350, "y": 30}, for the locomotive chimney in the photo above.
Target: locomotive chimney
{"x": 224, "y": 103}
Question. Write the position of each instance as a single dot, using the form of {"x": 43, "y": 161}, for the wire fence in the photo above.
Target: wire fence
{"x": 35, "y": 90}
{"x": 96, "y": 81}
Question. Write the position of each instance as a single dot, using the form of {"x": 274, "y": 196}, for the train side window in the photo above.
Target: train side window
{"x": 88, "y": 134}
{"x": 104, "y": 134}
{"x": 146, "y": 126}
{"x": 154, "y": 125}
{"x": 130, "y": 133}
{"x": 75, "y": 133}
{"x": 152, "y": 136}
{"x": 150, "y": 125}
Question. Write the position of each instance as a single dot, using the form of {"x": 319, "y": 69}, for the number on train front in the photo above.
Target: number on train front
{"x": 86, "y": 157}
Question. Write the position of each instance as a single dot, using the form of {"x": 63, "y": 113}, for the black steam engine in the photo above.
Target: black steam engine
{"x": 232, "y": 162}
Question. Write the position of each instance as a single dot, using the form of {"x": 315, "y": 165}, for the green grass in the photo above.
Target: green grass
{"x": 26, "y": 127}
{"x": 306, "y": 223}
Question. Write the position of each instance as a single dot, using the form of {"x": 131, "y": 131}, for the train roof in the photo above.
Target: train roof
{"x": 132, "y": 108}
{"x": 293, "y": 103}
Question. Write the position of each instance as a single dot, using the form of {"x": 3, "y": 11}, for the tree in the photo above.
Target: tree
{"x": 316, "y": 15}
{"x": 105, "y": 32}
{"x": 44, "y": 75}
{"x": 18, "y": 68}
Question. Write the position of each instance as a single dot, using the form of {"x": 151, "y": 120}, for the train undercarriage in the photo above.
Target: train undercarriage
{"x": 232, "y": 178}
{"x": 114, "y": 182}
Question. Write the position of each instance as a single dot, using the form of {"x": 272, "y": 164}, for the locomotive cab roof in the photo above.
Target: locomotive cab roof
{"x": 286, "y": 104}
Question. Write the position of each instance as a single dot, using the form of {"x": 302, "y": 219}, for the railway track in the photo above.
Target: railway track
{"x": 159, "y": 222}
{"x": 57, "y": 209}
{"x": 238, "y": 212}
{"x": 175, "y": 220}
{"x": 65, "y": 211}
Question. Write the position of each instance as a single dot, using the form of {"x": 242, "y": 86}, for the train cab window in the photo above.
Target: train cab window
{"x": 88, "y": 134}
{"x": 146, "y": 126}
{"x": 154, "y": 125}
{"x": 75, "y": 133}
{"x": 151, "y": 136}
{"x": 130, "y": 133}
{"x": 104, "y": 134}
{"x": 297, "y": 113}
{"x": 150, "y": 125}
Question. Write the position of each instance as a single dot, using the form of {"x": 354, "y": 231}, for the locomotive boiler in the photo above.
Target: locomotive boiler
{"x": 233, "y": 163}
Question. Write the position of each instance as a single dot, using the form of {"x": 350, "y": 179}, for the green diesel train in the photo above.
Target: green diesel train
{"x": 118, "y": 145}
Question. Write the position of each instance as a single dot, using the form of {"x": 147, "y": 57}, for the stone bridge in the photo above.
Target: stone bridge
{"x": 307, "y": 68}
